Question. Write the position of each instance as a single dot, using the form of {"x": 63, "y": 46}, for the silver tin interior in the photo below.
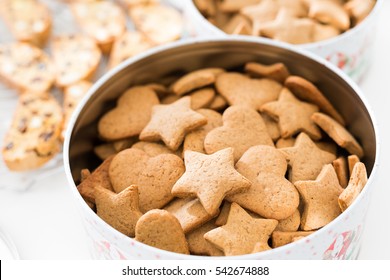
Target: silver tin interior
{"x": 166, "y": 63}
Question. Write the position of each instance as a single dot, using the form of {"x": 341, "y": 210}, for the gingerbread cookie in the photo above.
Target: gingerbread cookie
{"x": 320, "y": 199}
{"x": 306, "y": 159}
{"x": 329, "y": 12}
{"x": 355, "y": 185}
{"x": 293, "y": 115}
{"x": 153, "y": 149}
{"x": 170, "y": 123}
{"x": 238, "y": 121}
{"x": 277, "y": 71}
{"x": 161, "y": 24}
{"x": 25, "y": 67}
{"x": 290, "y": 223}
{"x": 160, "y": 229}
{"x": 33, "y": 137}
{"x": 238, "y": 89}
{"x": 102, "y": 20}
{"x": 75, "y": 57}
{"x": 338, "y": 133}
{"x": 121, "y": 210}
{"x": 154, "y": 176}
{"x": 241, "y": 232}
{"x": 130, "y": 116}
{"x": 210, "y": 178}
{"x": 340, "y": 165}
{"x": 280, "y": 238}
{"x": 271, "y": 194}
{"x": 28, "y": 20}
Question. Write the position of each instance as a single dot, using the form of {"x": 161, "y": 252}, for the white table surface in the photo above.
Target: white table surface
{"x": 44, "y": 223}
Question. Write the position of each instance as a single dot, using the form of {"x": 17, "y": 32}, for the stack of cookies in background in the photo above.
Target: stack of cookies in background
{"x": 50, "y": 54}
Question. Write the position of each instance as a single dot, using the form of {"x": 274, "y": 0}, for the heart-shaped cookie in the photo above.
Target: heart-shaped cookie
{"x": 130, "y": 116}
{"x": 160, "y": 229}
{"x": 154, "y": 176}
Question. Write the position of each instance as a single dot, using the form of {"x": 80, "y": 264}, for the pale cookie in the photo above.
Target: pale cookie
{"x": 72, "y": 96}
{"x": 133, "y": 3}
{"x": 338, "y": 133}
{"x": 260, "y": 13}
{"x": 293, "y": 7}
{"x": 104, "y": 21}
{"x": 238, "y": 89}
{"x": 25, "y": 67}
{"x": 230, "y": 6}
{"x": 190, "y": 213}
{"x": 352, "y": 160}
{"x": 34, "y": 134}
{"x": 241, "y": 232}
{"x": 340, "y": 165}
{"x": 307, "y": 91}
{"x": 29, "y": 20}
{"x": 277, "y": 71}
{"x": 98, "y": 178}
{"x": 130, "y": 116}
{"x": 194, "y": 140}
{"x": 329, "y": 12}
{"x": 161, "y": 24}
{"x": 127, "y": 45}
{"x": 324, "y": 32}
{"x": 218, "y": 103}
{"x": 196, "y": 79}
{"x": 210, "y": 178}
{"x": 238, "y": 24}
{"x": 160, "y": 229}
{"x": 153, "y": 149}
{"x": 198, "y": 245}
{"x": 289, "y": 29}
{"x": 280, "y": 238}
{"x": 359, "y": 9}
{"x": 306, "y": 159}
{"x": 121, "y": 211}
{"x": 290, "y": 223}
{"x": 154, "y": 176}
{"x": 75, "y": 57}
{"x": 320, "y": 199}
{"x": 206, "y": 7}
{"x": 293, "y": 115}
{"x": 238, "y": 121}
{"x": 104, "y": 151}
{"x": 355, "y": 185}
{"x": 271, "y": 194}
{"x": 170, "y": 123}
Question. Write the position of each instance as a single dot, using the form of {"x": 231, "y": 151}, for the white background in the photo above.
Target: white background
{"x": 44, "y": 223}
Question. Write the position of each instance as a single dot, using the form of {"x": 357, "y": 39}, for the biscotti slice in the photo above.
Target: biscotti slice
{"x": 26, "y": 67}
{"x": 33, "y": 138}
{"x": 102, "y": 20}
{"x": 128, "y": 45}
{"x": 75, "y": 57}
{"x": 28, "y": 20}
{"x": 72, "y": 96}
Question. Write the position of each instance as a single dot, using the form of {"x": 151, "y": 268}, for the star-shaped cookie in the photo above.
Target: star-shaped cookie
{"x": 306, "y": 159}
{"x": 241, "y": 232}
{"x": 260, "y": 13}
{"x": 210, "y": 178}
{"x": 121, "y": 210}
{"x": 293, "y": 115}
{"x": 170, "y": 123}
{"x": 320, "y": 199}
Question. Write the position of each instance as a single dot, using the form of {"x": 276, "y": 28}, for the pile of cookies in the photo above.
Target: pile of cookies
{"x": 38, "y": 64}
{"x": 223, "y": 163}
{"x": 291, "y": 21}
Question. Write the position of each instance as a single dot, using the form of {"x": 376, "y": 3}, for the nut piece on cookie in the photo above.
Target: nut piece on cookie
{"x": 170, "y": 123}
{"x": 33, "y": 137}
{"x": 356, "y": 184}
{"x": 160, "y": 229}
{"x": 121, "y": 211}
{"x": 161, "y": 24}
{"x": 241, "y": 232}
{"x": 238, "y": 121}
{"x": 102, "y": 20}
{"x": 130, "y": 116}
{"x": 338, "y": 133}
{"x": 28, "y": 20}
{"x": 25, "y": 67}
{"x": 320, "y": 199}
{"x": 75, "y": 57}
{"x": 154, "y": 176}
